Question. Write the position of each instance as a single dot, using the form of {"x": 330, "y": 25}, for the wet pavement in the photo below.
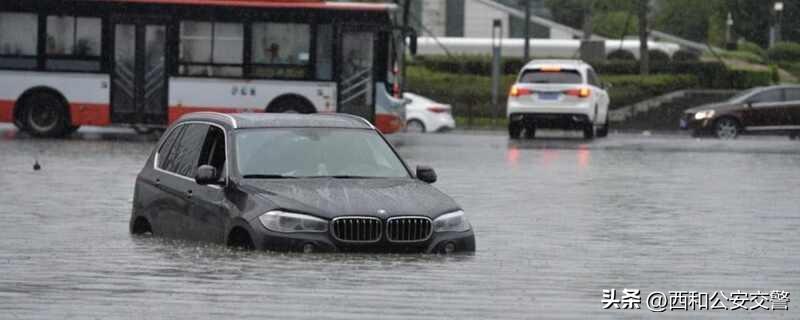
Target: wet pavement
{"x": 557, "y": 220}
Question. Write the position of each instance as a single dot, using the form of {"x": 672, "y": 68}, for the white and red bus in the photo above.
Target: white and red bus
{"x": 144, "y": 63}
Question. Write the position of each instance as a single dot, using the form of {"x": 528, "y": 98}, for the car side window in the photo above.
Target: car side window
{"x": 774, "y": 95}
{"x": 213, "y": 152}
{"x": 164, "y": 158}
{"x": 591, "y": 77}
{"x": 186, "y": 152}
{"x": 793, "y": 94}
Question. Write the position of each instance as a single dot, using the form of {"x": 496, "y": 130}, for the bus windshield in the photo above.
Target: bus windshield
{"x": 315, "y": 153}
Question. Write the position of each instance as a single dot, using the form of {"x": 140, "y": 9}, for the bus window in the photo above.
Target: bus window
{"x": 73, "y": 43}
{"x": 211, "y": 49}
{"x": 18, "y": 40}
{"x": 281, "y": 50}
{"x": 324, "y": 62}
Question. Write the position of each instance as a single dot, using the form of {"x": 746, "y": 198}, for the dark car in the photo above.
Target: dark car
{"x": 774, "y": 109}
{"x": 292, "y": 182}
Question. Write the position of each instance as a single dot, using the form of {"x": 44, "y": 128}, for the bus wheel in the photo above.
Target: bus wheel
{"x": 290, "y": 105}
{"x": 45, "y": 115}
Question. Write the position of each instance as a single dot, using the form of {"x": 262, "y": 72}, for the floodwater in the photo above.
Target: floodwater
{"x": 557, "y": 220}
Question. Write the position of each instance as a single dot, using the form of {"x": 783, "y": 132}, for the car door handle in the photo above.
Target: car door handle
{"x": 189, "y": 193}
{"x": 158, "y": 181}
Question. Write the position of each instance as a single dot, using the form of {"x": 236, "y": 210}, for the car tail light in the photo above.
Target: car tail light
{"x": 580, "y": 92}
{"x": 438, "y": 109}
{"x": 518, "y": 92}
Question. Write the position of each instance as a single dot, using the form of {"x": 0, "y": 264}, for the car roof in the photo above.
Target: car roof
{"x": 281, "y": 120}
{"x": 778, "y": 86}
{"x": 567, "y": 63}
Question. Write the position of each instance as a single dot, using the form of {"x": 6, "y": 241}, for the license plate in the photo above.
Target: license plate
{"x": 549, "y": 95}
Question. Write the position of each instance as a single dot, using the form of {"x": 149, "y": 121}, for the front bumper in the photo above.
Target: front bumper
{"x": 703, "y": 126}
{"x": 324, "y": 242}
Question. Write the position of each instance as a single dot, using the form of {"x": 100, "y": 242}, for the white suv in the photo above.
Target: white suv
{"x": 557, "y": 94}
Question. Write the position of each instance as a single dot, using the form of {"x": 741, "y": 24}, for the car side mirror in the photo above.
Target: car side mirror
{"x": 426, "y": 174}
{"x": 206, "y": 175}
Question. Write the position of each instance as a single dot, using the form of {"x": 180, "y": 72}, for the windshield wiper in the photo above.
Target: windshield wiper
{"x": 268, "y": 176}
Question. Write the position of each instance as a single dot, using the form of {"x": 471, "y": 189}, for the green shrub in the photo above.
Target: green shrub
{"x": 685, "y": 56}
{"x": 612, "y": 24}
{"x": 620, "y": 54}
{"x": 742, "y": 55}
{"x": 792, "y": 67}
{"x": 658, "y": 56}
{"x": 629, "y": 89}
{"x": 745, "y": 79}
{"x": 784, "y": 51}
{"x": 751, "y": 47}
{"x": 774, "y": 74}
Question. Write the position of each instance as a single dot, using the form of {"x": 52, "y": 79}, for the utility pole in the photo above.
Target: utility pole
{"x": 497, "y": 44}
{"x": 406, "y": 9}
{"x": 778, "y": 7}
{"x": 527, "y": 53}
{"x": 644, "y": 56}
{"x": 588, "y": 10}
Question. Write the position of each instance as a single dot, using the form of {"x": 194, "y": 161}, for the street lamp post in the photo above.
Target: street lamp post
{"x": 527, "y": 51}
{"x": 778, "y": 16}
{"x": 497, "y": 42}
{"x": 729, "y": 42}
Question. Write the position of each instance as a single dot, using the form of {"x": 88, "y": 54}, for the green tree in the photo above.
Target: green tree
{"x": 568, "y": 12}
{"x": 751, "y": 19}
{"x": 609, "y": 16}
{"x": 612, "y": 24}
{"x": 688, "y": 19}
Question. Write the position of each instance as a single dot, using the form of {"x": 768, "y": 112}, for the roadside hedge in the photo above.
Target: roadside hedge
{"x": 471, "y": 94}
{"x": 629, "y": 89}
{"x": 784, "y": 51}
{"x": 751, "y": 47}
{"x": 620, "y": 54}
{"x": 712, "y": 75}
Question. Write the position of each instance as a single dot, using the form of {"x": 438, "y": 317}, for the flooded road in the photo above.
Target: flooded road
{"x": 557, "y": 220}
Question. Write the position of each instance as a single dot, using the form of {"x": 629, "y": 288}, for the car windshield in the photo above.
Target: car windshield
{"x": 539, "y": 76}
{"x": 315, "y": 153}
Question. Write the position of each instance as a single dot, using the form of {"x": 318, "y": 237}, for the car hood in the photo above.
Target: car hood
{"x": 329, "y": 198}
{"x": 720, "y": 106}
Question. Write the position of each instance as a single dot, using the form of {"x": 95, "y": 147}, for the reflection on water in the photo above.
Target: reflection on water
{"x": 556, "y": 221}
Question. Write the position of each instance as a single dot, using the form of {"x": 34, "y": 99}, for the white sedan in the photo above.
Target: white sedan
{"x": 426, "y": 115}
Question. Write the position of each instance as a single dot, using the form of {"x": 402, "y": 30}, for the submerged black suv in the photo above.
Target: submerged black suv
{"x": 292, "y": 182}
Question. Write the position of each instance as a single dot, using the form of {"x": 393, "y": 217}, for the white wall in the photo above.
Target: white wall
{"x": 434, "y": 16}
{"x": 478, "y": 20}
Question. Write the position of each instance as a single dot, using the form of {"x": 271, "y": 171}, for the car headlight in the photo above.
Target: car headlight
{"x": 451, "y": 222}
{"x": 704, "y": 115}
{"x": 288, "y": 222}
